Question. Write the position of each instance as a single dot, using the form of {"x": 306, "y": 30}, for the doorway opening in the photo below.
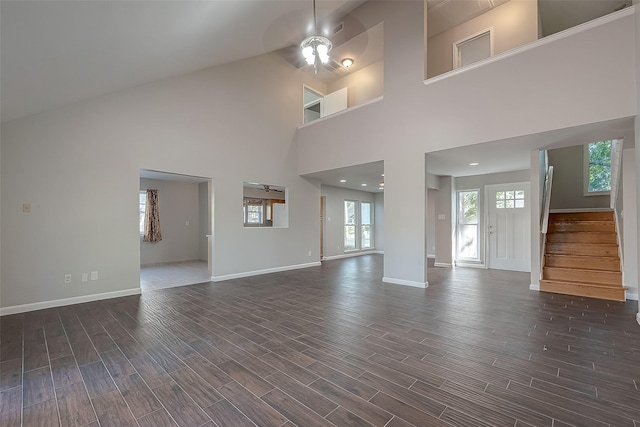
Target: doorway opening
{"x": 180, "y": 253}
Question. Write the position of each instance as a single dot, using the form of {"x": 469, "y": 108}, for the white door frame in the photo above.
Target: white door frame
{"x": 486, "y": 225}
{"x": 456, "y": 45}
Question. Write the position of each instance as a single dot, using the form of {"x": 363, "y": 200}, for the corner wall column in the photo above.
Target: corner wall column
{"x": 405, "y": 229}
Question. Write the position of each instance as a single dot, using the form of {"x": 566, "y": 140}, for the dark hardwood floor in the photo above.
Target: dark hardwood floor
{"x": 329, "y": 345}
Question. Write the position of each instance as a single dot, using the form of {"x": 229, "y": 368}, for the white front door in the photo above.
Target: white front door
{"x": 508, "y": 226}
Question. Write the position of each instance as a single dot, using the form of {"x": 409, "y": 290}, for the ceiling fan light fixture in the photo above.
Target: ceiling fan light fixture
{"x": 316, "y": 48}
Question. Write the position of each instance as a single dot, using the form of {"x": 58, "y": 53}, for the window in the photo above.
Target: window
{"x": 597, "y": 168}
{"x": 473, "y": 49}
{"x": 143, "y": 206}
{"x": 510, "y": 199}
{"x": 350, "y": 220}
{"x": 365, "y": 225}
{"x": 467, "y": 229}
{"x": 253, "y": 212}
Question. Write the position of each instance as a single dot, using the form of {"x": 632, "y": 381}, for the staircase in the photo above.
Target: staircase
{"x": 581, "y": 256}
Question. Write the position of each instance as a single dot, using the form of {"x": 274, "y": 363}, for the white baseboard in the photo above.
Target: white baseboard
{"x": 265, "y": 271}
{"x": 441, "y": 264}
{"x": 638, "y": 318}
{"x": 430, "y": 256}
{"x": 348, "y": 255}
{"x": 405, "y": 282}
{"x": 67, "y": 301}
{"x": 379, "y": 252}
{"x": 470, "y": 264}
{"x": 534, "y": 287}
{"x": 632, "y": 294}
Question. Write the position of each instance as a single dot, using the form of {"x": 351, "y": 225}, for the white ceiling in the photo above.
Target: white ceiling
{"x": 355, "y": 176}
{"x": 53, "y": 53}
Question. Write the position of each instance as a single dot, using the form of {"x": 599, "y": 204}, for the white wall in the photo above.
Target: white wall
{"x": 514, "y": 23}
{"x": 178, "y": 203}
{"x": 479, "y": 182}
{"x": 334, "y": 217}
{"x": 79, "y": 168}
{"x": 364, "y": 84}
{"x": 567, "y": 191}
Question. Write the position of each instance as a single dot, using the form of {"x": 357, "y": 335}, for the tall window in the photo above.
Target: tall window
{"x": 350, "y": 221}
{"x": 143, "y": 206}
{"x": 467, "y": 230}
{"x": 365, "y": 225}
{"x": 598, "y": 167}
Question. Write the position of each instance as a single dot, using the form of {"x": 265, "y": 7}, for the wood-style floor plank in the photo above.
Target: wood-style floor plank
{"x": 327, "y": 345}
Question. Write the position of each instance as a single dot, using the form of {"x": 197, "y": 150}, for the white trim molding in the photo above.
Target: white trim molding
{"x": 405, "y": 282}
{"x": 470, "y": 264}
{"x": 350, "y": 254}
{"x": 265, "y": 271}
{"x": 442, "y": 264}
{"x": 23, "y": 308}
{"x": 638, "y": 318}
{"x": 379, "y": 252}
{"x": 431, "y": 256}
{"x": 580, "y": 210}
{"x": 534, "y": 287}
{"x": 632, "y": 294}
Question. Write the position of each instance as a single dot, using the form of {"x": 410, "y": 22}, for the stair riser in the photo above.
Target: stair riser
{"x": 608, "y": 278}
{"x": 585, "y": 237}
{"x": 568, "y": 227}
{"x": 615, "y": 294}
{"x": 582, "y": 249}
{"x": 587, "y": 263}
{"x": 582, "y": 216}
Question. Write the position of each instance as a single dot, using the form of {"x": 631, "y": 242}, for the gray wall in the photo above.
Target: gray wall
{"x": 431, "y": 222}
{"x": 178, "y": 203}
{"x": 567, "y": 190}
{"x": 88, "y": 158}
{"x": 515, "y": 23}
{"x": 630, "y": 228}
{"x": 444, "y": 220}
{"x": 205, "y": 220}
{"x": 378, "y": 200}
{"x": 334, "y": 217}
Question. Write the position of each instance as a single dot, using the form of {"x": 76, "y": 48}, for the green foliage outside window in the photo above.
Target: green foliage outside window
{"x": 599, "y": 166}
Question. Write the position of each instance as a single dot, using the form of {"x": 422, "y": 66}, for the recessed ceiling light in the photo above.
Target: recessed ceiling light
{"x": 363, "y": 184}
{"x": 474, "y": 164}
{"x": 381, "y": 184}
{"x": 380, "y": 188}
{"x": 343, "y": 180}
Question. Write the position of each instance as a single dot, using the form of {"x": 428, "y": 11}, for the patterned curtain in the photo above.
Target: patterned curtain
{"x": 152, "y": 231}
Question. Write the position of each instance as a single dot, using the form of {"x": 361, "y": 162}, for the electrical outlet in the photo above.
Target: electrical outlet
{"x": 94, "y": 275}
{"x": 85, "y": 277}
{"x": 67, "y": 278}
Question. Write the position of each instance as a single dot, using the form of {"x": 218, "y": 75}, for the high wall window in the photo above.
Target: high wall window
{"x": 467, "y": 225}
{"x": 597, "y": 156}
{"x": 350, "y": 222}
{"x": 143, "y": 206}
{"x": 366, "y": 225}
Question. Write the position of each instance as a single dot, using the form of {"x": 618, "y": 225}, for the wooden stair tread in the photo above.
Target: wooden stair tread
{"x": 590, "y": 285}
{"x": 586, "y": 262}
{"x": 581, "y": 256}
{"x": 583, "y": 276}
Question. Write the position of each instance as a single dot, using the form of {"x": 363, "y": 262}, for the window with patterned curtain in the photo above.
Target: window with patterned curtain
{"x": 152, "y": 231}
